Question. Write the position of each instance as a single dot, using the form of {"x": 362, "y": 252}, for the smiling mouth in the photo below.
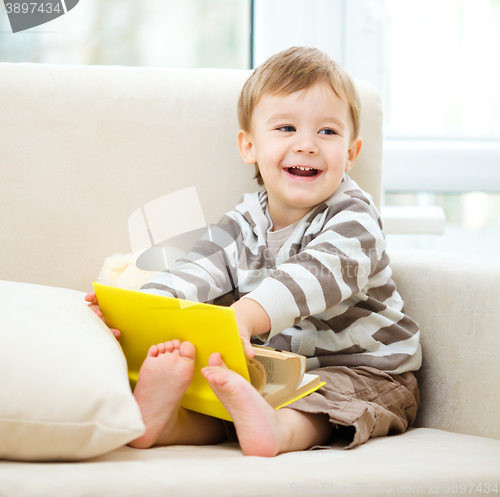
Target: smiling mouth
{"x": 302, "y": 171}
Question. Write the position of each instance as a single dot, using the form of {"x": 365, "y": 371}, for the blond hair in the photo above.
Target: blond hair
{"x": 291, "y": 70}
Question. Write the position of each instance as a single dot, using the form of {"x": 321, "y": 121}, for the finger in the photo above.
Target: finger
{"x": 95, "y": 308}
{"x": 91, "y": 297}
{"x": 115, "y": 332}
{"x": 250, "y": 351}
{"x": 248, "y": 347}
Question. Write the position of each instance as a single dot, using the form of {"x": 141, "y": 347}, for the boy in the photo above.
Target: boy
{"x": 309, "y": 274}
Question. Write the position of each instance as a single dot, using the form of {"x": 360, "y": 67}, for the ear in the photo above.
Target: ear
{"x": 246, "y": 148}
{"x": 353, "y": 152}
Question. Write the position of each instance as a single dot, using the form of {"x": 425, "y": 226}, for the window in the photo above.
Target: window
{"x": 443, "y": 68}
{"x": 442, "y": 119}
{"x": 436, "y": 64}
{"x": 442, "y": 95}
{"x": 191, "y": 33}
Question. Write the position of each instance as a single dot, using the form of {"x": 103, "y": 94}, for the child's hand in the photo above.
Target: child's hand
{"x": 91, "y": 297}
{"x": 252, "y": 319}
{"x": 247, "y": 346}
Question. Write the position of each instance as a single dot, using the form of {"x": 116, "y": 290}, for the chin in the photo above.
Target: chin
{"x": 301, "y": 203}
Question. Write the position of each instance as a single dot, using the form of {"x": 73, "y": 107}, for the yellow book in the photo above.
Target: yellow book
{"x": 145, "y": 320}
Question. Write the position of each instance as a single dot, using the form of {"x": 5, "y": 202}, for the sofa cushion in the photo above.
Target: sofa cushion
{"x": 455, "y": 300}
{"x": 420, "y": 462}
{"x": 64, "y": 389}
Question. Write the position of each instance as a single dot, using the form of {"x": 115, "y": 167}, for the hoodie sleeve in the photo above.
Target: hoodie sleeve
{"x": 334, "y": 266}
{"x": 207, "y": 272}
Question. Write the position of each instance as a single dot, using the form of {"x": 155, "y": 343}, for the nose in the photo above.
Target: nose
{"x": 305, "y": 144}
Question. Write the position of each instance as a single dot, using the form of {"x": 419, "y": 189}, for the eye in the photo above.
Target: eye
{"x": 286, "y": 128}
{"x": 328, "y": 131}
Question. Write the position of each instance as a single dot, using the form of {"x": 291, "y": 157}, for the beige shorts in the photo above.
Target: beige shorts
{"x": 361, "y": 402}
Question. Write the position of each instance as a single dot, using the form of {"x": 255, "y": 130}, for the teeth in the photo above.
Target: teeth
{"x": 303, "y": 168}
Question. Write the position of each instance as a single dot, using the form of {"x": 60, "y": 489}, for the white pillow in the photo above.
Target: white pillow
{"x": 64, "y": 390}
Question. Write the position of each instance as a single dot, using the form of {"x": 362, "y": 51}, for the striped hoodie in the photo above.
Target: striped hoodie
{"x": 328, "y": 291}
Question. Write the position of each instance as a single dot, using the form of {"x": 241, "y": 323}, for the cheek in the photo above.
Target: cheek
{"x": 338, "y": 156}
{"x": 270, "y": 155}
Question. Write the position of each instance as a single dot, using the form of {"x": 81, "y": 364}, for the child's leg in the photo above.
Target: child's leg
{"x": 262, "y": 430}
{"x": 164, "y": 377}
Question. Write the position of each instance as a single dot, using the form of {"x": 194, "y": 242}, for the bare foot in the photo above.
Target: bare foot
{"x": 257, "y": 425}
{"x": 164, "y": 376}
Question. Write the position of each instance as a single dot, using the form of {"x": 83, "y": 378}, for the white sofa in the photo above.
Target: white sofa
{"x": 82, "y": 147}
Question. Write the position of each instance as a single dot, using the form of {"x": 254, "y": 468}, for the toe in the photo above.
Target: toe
{"x": 161, "y": 348}
{"x": 187, "y": 349}
{"x": 153, "y": 351}
{"x": 177, "y": 343}
{"x": 215, "y": 375}
{"x": 207, "y": 372}
{"x": 215, "y": 359}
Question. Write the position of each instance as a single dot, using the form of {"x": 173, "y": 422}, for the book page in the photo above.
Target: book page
{"x": 307, "y": 378}
{"x": 268, "y": 366}
{"x": 281, "y": 375}
{"x": 309, "y": 384}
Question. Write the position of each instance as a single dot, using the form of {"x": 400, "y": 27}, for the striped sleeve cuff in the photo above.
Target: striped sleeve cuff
{"x": 278, "y": 302}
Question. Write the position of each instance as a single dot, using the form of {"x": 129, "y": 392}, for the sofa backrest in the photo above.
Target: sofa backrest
{"x": 83, "y": 147}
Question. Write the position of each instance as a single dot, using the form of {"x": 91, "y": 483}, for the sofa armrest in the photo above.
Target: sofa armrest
{"x": 455, "y": 298}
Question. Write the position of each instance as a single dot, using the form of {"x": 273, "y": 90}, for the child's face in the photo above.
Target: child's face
{"x": 309, "y": 128}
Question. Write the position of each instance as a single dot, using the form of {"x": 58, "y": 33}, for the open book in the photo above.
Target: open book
{"x": 284, "y": 376}
{"x": 145, "y": 320}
